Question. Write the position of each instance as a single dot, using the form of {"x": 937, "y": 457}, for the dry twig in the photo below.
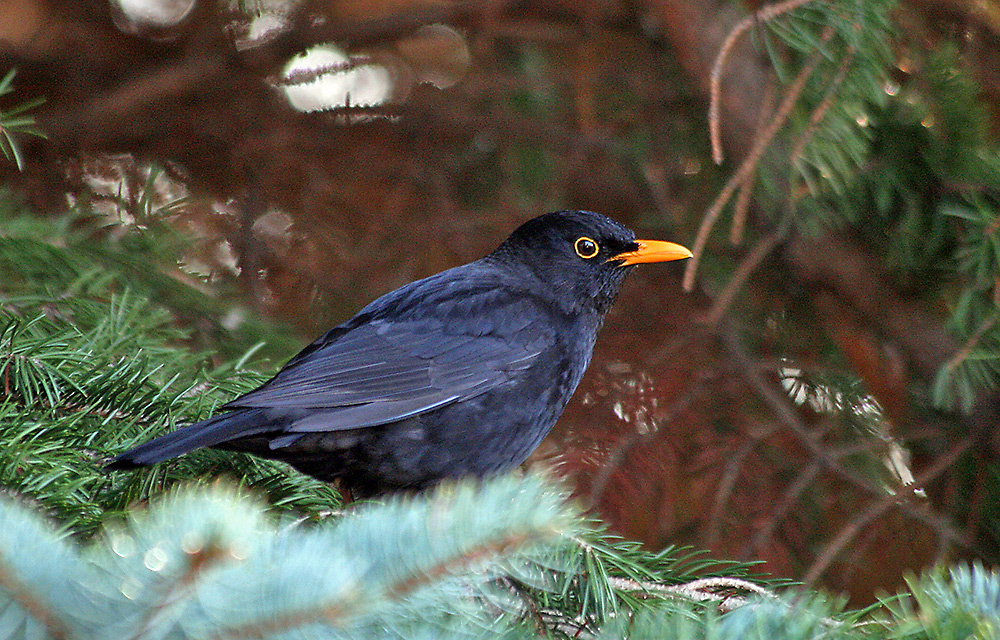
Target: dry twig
{"x": 718, "y": 590}
{"x": 768, "y": 12}
{"x": 727, "y": 483}
{"x": 792, "y": 94}
{"x": 781, "y": 405}
{"x": 749, "y": 264}
{"x": 746, "y": 189}
{"x": 878, "y": 508}
{"x": 791, "y": 497}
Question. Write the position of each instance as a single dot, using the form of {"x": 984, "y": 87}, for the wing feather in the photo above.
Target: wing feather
{"x": 388, "y": 370}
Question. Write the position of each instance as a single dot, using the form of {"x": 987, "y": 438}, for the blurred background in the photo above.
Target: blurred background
{"x": 816, "y": 390}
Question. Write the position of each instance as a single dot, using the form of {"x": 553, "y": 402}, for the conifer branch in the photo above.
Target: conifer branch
{"x": 354, "y": 604}
{"x": 962, "y": 354}
{"x": 878, "y": 508}
{"x": 765, "y": 14}
{"x": 35, "y": 608}
{"x": 767, "y": 244}
{"x": 791, "y": 96}
{"x": 824, "y": 105}
{"x": 786, "y": 414}
{"x": 740, "y": 209}
{"x": 790, "y": 497}
{"x": 16, "y": 121}
{"x": 206, "y": 556}
{"x": 746, "y": 189}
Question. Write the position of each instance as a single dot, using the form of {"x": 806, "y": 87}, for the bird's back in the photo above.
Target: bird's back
{"x": 522, "y": 360}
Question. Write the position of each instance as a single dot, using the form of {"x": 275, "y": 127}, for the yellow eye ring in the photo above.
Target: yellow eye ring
{"x": 586, "y": 247}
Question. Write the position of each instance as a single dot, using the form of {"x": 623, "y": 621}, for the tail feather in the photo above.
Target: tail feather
{"x": 207, "y": 433}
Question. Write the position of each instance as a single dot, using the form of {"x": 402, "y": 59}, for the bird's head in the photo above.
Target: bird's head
{"x": 581, "y": 257}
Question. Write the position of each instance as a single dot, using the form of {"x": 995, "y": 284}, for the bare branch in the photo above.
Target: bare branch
{"x": 768, "y": 12}
{"x": 792, "y": 94}
{"x": 782, "y": 407}
{"x": 878, "y": 508}
{"x": 749, "y": 264}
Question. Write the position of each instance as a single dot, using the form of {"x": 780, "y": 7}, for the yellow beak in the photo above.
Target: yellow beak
{"x": 653, "y": 251}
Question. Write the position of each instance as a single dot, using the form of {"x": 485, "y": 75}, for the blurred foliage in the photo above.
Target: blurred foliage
{"x": 496, "y": 560}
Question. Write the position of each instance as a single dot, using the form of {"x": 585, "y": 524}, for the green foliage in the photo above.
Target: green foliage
{"x": 944, "y": 203}
{"x": 806, "y": 616}
{"x": 854, "y": 41}
{"x": 15, "y": 122}
{"x": 89, "y": 366}
{"x": 829, "y": 140}
{"x": 78, "y": 392}
{"x": 975, "y": 315}
{"x": 81, "y": 254}
{"x": 213, "y": 562}
{"x": 680, "y": 620}
{"x": 903, "y": 161}
{"x": 960, "y": 603}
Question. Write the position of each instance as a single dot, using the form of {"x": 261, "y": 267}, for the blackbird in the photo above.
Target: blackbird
{"x": 459, "y": 374}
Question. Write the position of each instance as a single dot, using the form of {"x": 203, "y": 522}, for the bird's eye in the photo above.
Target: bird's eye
{"x": 586, "y": 248}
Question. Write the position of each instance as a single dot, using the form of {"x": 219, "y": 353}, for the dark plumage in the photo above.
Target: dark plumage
{"x": 459, "y": 374}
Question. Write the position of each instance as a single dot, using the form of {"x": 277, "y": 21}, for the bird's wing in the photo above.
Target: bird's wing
{"x": 388, "y": 370}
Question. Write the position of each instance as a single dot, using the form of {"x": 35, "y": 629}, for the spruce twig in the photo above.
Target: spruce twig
{"x": 183, "y": 585}
{"x": 702, "y": 589}
{"x": 765, "y": 14}
{"x": 816, "y": 117}
{"x": 854, "y": 527}
{"x": 963, "y": 353}
{"x": 35, "y": 608}
{"x": 791, "y": 96}
{"x": 742, "y": 205}
{"x": 356, "y": 602}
